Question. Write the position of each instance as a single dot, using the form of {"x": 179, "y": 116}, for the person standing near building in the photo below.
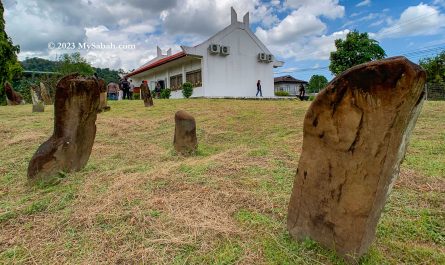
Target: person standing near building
{"x": 131, "y": 89}
{"x": 125, "y": 86}
{"x": 258, "y": 89}
{"x": 113, "y": 90}
{"x": 302, "y": 92}
{"x": 158, "y": 90}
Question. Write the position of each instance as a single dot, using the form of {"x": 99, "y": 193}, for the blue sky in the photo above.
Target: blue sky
{"x": 299, "y": 32}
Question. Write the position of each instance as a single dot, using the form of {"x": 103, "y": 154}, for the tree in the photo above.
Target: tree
{"x": 107, "y": 74}
{"x": 9, "y": 66}
{"x": 317, "y": 83}
{"x": 356, "y": 49}
{"x": 74, "y": 63}
{"x": 435, "y": 68}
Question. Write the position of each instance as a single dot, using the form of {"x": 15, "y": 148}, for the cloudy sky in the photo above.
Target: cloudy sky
{"x": 299, "y": 32}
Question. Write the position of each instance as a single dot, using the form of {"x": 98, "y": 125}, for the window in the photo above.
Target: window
{"x": 194, "y": 77}
{"x": 176, "y": 82}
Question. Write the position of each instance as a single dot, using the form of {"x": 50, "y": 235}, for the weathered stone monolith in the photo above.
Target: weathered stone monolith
{"x": 146, "y": 95}
{"x": 355, "y": 137}
{"x": 185, "y": 140}
{"x": 45, "y": 95}
{"x": 13, "y": 97}
{"x": 75, "y": 112}
{"x": 103, "y": 104}
{"x": 37, "y": 102}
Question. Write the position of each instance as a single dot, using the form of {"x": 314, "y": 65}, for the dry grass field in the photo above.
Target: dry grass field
{"x": 137, "y": 202}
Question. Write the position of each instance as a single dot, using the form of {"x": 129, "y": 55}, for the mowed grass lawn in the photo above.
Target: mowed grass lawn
{"x": 137, "y": 202}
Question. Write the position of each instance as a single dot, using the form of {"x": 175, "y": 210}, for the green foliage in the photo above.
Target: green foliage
{"x": 109, "y": 75}
{"x": 317, "y": 83}
{"x": 23, "y": 86}
{"x": 136, "y": 96}
{"x": 39, "y": 64}
{"x": 281, "y": 93}
{"x": 187, "y": 89}
{"x": 165, "y": 93}
{"x": 435, "y": 68}
{"x": 74, "y": 63}
{"x": 9, "y": 67}
{"x": 358, "y": 48}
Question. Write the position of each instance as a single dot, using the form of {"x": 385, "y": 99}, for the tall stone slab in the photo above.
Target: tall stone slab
{"x": 69, "y": 148}
{"x": 103, "y": 104}
{"x": 45, "y": 94}
{"x": 146, "y": 95}
{"x": 37, "y": 102}
{"x": 13, "y": 97}
{"x": 355, "y": 137}
{"x": 185, "y": 141}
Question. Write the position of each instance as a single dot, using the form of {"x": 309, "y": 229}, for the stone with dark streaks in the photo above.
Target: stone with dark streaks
{"x": 75, "y": 113}
{"x": 355, "y": 137}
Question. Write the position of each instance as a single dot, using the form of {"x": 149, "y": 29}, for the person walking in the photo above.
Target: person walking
{"x": 258, "y": 89}
{"x": 125, "y": 86}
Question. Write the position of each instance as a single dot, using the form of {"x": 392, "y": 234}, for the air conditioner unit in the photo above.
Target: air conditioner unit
{"x": 270, "y": 58}
{"x": 214, "y": 48}
{"x": 262, "y": 57}
{"x": 225, "y": 50}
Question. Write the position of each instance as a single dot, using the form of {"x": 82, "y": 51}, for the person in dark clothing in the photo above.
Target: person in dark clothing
{"x": 302, "y": 92}
{"x": 258, "y": 89}
{"x": 158, "y": 90}
{"x": 125, "y": 86}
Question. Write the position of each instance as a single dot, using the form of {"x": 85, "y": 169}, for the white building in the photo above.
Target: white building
{"x": 228, "y": 64}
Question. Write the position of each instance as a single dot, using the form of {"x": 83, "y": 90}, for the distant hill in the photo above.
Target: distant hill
{"x": 40, "y": 64}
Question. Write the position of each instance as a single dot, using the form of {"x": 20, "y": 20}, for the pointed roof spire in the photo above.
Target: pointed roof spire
{"x": 233, "y": 16}
{"x": 246, "y": 19}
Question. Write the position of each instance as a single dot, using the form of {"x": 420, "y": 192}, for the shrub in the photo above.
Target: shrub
{"x": 282, "y": 93}
{"x": 136, "y": 96}
{"x": 187, "y": 89}
{"x": 311, "y": 98}
{"x": 165, "y": 93}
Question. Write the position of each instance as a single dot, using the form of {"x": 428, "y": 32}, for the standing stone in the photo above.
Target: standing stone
{"x": 45, "y": 95}
{"x": 13, "y": 97}
{"x": 355, "y": 137}
{"x": 185, "y": 140}
{"x": 146, "y": 95}
{"x": 37, "y": 102}
{"x": 69, "y": 148}
{"x": 103, "y": 104}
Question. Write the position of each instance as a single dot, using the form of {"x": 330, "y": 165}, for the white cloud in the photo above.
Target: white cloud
{"x": 327, "y": 8}
{"x": 311, "y": 48}
{"x": 414, "y": 21}
{"x": 301, "y": 35}
{"x": 364, "y": 3}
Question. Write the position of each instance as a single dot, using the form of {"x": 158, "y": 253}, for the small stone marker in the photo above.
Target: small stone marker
{"x": 13, "y": 97}
{"x": 355, "y": 137}
{"x": 146, "y": 95}
{"x": 37, "y": 103}
{"x": 185, "y": 140}
{"x": 75, "y": 111}
{"x": 45, "y": 95}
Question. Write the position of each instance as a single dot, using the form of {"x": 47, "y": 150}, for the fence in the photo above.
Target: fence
{"x": 434, "y": 91}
